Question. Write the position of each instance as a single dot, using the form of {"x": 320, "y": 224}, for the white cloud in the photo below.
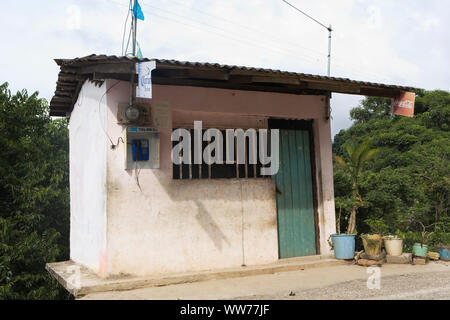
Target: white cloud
{"x": 387, "y": 42}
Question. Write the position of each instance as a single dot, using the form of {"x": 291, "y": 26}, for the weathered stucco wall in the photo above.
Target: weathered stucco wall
{"x": 88, "y": 146}
{"x": 170, "y": 225}
{"x": 324, "y": 178}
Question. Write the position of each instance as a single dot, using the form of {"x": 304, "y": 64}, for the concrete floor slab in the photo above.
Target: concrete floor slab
{"x": 79, "y": 280}
{"x": 332, "y": 282}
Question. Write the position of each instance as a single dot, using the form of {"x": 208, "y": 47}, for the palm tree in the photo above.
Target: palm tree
{"x": 359, "y": 157}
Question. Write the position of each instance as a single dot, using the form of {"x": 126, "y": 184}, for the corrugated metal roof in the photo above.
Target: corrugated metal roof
{"x": 70, "y": 79}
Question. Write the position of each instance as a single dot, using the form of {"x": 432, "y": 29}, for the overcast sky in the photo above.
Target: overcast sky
{"x": 402, "y": 42}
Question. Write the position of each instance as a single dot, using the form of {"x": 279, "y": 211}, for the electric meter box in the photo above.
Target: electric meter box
{"x": 142, "y": 148}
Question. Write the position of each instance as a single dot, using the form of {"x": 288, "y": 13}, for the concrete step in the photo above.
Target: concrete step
{"x": 79, "y": 280}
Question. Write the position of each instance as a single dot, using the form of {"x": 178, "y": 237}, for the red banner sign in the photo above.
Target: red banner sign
{"x": 404, "y": 104}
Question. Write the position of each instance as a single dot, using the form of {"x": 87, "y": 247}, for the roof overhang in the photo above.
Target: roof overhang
{"x": 74, "y": 72}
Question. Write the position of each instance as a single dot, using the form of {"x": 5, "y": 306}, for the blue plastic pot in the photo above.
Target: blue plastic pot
{"x": 444, "y": 252}
{"x": 420, "y": 250}
{"x": 344, "y": 246}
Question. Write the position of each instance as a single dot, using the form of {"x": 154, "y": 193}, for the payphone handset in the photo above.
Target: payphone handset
{"x": 140, "y": 149}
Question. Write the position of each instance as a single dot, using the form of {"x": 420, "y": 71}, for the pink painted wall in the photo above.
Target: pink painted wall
{"x": 241, "y": 102}
{"x": 176, "y": 226}
{"x": 222, "y": 108}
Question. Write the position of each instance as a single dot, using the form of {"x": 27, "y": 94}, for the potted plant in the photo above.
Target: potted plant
{"x": 421, "y": 249}
{"x": 393, "y": 245}
{"x": 444, "y": 252}
{"x": 344, "y": 244}
{"x": 442, "y": 238}
{"x": 372, "y": 242}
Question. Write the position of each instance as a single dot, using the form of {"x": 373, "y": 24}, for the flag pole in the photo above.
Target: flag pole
{"x": 134, "y": 28}
{"x": 134, "y": 25}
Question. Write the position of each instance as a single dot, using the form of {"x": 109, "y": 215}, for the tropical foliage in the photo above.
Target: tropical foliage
{"x": 358, "y": 157}
{"x": 405, "y": 187}
{"x": 409, "y": 181}
{"x": 34, "y": 196}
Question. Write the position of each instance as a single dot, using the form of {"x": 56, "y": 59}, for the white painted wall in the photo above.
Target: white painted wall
{"x": 88, "y": 145}
{"x": 325, "y": 182}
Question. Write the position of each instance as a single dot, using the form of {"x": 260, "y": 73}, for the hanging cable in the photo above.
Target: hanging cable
{"x": 230, "y": 35}
{"x": 113, "y": 146}
{"x": 274, "y": 37}
{"x": 311, "y": 60}
{"x": 329, "y": 34}
{"x": 240, "y": 37}
{"x": 304, "y": 13}
{"x": 345, "y": 64}
{"x": 128, "y": 42}
{"x": 125, "y": 28}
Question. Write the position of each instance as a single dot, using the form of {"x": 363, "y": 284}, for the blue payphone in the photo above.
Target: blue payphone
{"x": 140, "y": 149}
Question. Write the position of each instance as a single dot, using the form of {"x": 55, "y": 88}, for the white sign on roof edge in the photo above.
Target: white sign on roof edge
{"x": 144, "y": 71}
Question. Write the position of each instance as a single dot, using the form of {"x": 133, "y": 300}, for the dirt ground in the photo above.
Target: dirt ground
{"x": 431, "y": 281}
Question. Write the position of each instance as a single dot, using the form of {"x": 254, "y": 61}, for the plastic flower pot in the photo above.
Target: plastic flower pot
{"x": 344, "y": 246}
{"x": 444, "y": 252}
{"x": 393, "y": 245}
{"x": 420, "y": 250}
{"x": 372, "y": 244}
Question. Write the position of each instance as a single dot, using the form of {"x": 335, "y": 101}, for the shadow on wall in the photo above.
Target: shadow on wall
{"x": 225, "y": 193}
{"x": 211, "y": 228}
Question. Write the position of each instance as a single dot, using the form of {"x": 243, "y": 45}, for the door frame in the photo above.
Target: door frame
{"x": 308, "y": 125}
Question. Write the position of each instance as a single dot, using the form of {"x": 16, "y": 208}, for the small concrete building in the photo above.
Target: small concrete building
{"x": 141, "y": 214}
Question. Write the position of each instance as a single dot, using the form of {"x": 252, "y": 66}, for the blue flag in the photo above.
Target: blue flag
{"x": 137, "y": 11}
{"x": 139, "y": 52}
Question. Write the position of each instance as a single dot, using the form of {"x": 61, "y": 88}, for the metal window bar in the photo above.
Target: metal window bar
{"x": 246, "y": 170}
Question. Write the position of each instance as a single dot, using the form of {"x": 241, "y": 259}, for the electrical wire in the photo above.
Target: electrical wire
{"x": 226, "y": 34}
{"x": 243, "y": 42}
{"x": 310, "y": 59}
{"x": 137, "y": 171}
{"x": 254, "y": 30}
{"x": 250, "y": 42}
{"x": 128, "y": 42}
{"x": 125, "y": 27}
{"x": 98, "y": 114}
{"x": 304, "y": 13}
{"x": 344, "y": 64}
{"x": 240, "y": 37}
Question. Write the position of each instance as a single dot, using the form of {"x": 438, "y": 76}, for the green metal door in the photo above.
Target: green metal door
{"x": 295, "y": 205}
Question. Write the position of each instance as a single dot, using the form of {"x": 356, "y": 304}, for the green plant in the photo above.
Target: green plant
{"x": 409, "y": 238}
{"x": 441, "y": 235}
{"x": 359, "y": 157}
{"x": 411, "y": 174}
{"x": 376, "y": 226}
{"x": 343, "y": 204}
{"x": 34, "y": 196}
{"x": 426, "y": 236}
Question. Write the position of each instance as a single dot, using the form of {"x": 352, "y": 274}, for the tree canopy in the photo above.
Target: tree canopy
{"x": 408, "y": 182}
{"x": 34, "y": 196}
{"x": 404, "y": 187}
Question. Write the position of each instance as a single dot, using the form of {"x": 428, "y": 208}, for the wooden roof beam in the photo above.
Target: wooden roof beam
{"x": 128, "y": 68}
